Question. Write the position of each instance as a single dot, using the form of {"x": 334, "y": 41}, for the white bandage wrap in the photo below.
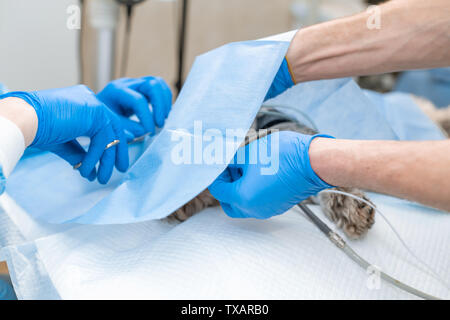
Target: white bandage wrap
{"x": 12, "y": 145}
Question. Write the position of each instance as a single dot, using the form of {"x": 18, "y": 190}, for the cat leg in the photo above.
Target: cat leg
{"x": 354, "y": 217}
{"x": 205, "y": 199}
{"x": 200, "y": 202}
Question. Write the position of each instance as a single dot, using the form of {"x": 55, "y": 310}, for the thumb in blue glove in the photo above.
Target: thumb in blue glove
{"x": 284, "y": 79}
{"x": 244, "y": 190}
{"x": 68, "y": 113}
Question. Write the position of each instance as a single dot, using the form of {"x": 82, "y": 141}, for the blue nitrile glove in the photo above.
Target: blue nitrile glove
{"x": 128, "y": 96}
{"x": 283, "y": 81}
{"x": 68, "y": 113}
{"x": 244, "y": 192}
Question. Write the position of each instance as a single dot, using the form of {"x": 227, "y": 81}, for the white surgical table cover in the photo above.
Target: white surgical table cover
{"x": 211, "y": 256}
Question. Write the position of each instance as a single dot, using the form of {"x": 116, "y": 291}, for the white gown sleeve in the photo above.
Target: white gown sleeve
{"x": 12, "y": 146}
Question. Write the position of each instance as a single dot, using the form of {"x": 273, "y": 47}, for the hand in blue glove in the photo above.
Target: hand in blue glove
{"x": 68, "y": 113}
{"x": 244, "y": 192}
{"x": 132, "y": 96}
{"x": 283, "y": 81}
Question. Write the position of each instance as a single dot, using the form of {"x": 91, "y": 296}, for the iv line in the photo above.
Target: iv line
{"x": 341, "y": 244}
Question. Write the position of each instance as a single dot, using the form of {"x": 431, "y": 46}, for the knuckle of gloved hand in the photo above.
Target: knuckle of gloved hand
{"x": 113, "y": 86}
{"x": 82, "y": 87}
{"x": 147, "y": 78}
{"x": 103, "y": 180}
{"x": 105, "y": 118}
{"x": 141, "y": 102}
{"x": 157, "y": 82}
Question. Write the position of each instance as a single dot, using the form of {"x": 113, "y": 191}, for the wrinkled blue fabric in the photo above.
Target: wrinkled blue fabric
{"x": 224, "y": 89}
{"x": 405, "y": 118}
{"x": 340, "y": 108}
{"x": 228, "y": 81}
{"x": 433, "y": 84}
{"x": 335, "y": 107}
{"x": 46, "y": 186}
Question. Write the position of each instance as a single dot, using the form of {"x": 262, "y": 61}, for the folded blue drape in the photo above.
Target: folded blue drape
{"x": 224, "y": 90}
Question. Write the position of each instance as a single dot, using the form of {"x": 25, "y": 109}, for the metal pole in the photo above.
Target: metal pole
{"x": 181, "y": 44}
{"x": 103, "y": 17}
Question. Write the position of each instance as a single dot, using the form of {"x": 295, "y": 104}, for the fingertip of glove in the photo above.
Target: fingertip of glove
{"x": 102, "y": 180}
{"x": 160, "y": 121}
{"x": 122, "y": 167}
{"x": 91, "y": 177}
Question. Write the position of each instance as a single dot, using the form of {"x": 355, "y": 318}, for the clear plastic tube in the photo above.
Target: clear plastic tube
{"x": 431, "y": 271}
{"x": 337, "y": 240}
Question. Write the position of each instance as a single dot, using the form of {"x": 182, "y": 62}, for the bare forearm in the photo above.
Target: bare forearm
{"x": 22, "y": 114}
{"x": 413, "y": 34}
{"x": 418, "y": 171}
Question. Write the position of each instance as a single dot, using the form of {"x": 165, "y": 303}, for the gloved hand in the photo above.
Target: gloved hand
{"x": 128, "y": 96}
{"x": 244, "y": 192}
{"x": 67, "y": 113}
{"x": 283, "y": 81}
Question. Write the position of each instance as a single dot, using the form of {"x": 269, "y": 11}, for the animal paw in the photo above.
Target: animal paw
{"x": 354, "y": 217}
{"x": 200, "y": 202}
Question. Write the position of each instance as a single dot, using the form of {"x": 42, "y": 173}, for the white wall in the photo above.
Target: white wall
{"x": 37, "y": 50}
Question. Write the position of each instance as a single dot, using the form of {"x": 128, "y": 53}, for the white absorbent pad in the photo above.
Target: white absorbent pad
{"x": 211, "y": 256}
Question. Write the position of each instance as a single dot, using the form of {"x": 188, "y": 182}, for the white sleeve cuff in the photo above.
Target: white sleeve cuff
{"x": 12, "y": 145}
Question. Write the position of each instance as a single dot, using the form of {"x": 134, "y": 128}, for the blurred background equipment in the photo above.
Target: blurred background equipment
{"x": 181, "y": 44}
{"x": 136, "y": 38}
{"x": 129, "y": 4}
{"x": 43, "y": 53}
{"x": 37, "y": 50}
{"x": 103, "y": 17}
{"x": 309, "y": 12}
